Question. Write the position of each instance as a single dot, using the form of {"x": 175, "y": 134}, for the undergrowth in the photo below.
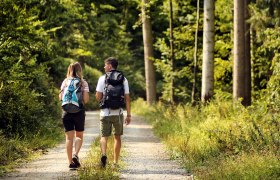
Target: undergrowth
{"x": 221, "y": 140}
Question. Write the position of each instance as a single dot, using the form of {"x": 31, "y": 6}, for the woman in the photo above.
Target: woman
{"x": 74, "y": 122}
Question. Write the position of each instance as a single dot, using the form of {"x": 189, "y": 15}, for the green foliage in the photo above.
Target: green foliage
{"x": 184, "y": 31}
{"x": 91, "y": 76}
{"x": 265, "y": 41}
{"x": 221, "y": 134}
{"x": 223, "y": 45}
{"x": 25, "y": 85}
{"x": 273, "y": 91}
{"x": 89, "y": 32}
{"x": 28, "y": 99}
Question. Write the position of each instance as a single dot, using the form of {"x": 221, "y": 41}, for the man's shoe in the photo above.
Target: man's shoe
{"x": 75, "y": 159}
{"x": 115, "y": 166}
{"x": 73, "y": 166}
{"x": 103, "y": 161}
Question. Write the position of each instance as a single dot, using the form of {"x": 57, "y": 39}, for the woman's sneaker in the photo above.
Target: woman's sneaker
{"x": 75, "y": 159}
{"x": 73, "y": 166}
{"x": 103, "y": 161}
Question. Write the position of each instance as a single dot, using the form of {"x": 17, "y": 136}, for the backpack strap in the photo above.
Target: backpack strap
{"x": 102, "y": 102}
{"x": 65, "y": 85}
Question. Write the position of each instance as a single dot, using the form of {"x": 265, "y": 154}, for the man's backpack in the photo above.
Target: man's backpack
{"x": 113, "y": 97}
{"x": 72, "y": 96}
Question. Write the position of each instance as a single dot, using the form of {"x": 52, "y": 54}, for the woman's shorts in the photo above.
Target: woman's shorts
{"x": 73, "y": 121}
{"x": 109, "y": 123}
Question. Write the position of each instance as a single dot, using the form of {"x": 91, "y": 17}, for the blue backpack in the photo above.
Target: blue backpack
{"x": 72, "y": 99}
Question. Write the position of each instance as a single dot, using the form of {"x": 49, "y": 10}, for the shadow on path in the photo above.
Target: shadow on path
{"x": 54, "y": 164}
{"x": 147, "y": 158}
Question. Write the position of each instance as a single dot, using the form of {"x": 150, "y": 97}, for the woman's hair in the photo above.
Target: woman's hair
{"x": 75, "y": 70}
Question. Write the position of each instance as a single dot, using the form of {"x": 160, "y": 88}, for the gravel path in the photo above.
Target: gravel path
{"x": 54, "y": 164}
{"x": 145, "y": 156}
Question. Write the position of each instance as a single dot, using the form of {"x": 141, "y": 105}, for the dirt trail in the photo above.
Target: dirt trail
{"x": 54, "y": 164}
{"x": 145, "y": 157}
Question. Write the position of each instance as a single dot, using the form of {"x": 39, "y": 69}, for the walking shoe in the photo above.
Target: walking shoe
{"x": 75, "y": 159}
{"x": 115, "y": 166}
{"x": 73, "y": 166}
{"x": 103, "y": 161}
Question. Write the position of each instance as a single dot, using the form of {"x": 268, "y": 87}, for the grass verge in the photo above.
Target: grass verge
{"x": 221, "y": 140}
{"x": 17, "y": 150}
{"x": 91, "y": 168}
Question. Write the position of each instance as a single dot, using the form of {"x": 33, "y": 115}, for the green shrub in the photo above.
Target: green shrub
{"x": 28, "y": 102}
{"x": 92, "y": 75}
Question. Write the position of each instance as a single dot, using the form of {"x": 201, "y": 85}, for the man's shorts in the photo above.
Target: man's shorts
{"x": 73, "y": 121}
{"x": 109, "y": 123}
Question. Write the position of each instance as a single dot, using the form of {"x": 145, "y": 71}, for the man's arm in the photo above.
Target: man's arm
{"x": 98, "y": 96}
{"x": 127, "y": 104}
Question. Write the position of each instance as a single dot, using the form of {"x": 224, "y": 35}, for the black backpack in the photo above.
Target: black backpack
{"x": 113, "y": 96}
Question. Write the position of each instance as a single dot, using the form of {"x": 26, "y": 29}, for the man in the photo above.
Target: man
{"x": 110, "y": 116}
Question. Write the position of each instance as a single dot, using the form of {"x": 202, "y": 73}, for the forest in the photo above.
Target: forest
{"x": 206, "y": 74}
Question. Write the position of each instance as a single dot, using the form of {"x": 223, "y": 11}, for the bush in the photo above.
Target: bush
{"x": 28, "y": 100}
{"x": 91, "y": 76}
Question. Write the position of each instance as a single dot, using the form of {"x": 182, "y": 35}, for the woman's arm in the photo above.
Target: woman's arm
{"x": 85, "y": 97}
{"x": 61, "y": 90}
{"x": 85, "y": 89}
{"x": 60, "y": 95}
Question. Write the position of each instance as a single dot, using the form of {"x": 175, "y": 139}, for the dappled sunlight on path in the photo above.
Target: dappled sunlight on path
{"x": 54, "y": 164}
{"x": 146, "y": 157}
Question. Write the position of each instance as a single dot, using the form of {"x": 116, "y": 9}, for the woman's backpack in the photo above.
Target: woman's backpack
{"x": 72, "y": 99}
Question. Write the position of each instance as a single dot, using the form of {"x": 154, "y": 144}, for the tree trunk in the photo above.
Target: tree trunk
{"x": 247, "y": 94}
{"x": 238, "y": 50}
{"x": 171, "y": 51}
{"x": 207, "y": 90}
{"x": 195, "y": 55}
{"x": 242, "y": 64}
{"x": 252, "y": 53}
{"x": 148, "y": 55}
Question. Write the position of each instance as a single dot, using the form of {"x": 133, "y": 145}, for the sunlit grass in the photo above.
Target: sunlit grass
{"x": 91, "y": 168}
{"x": 219, "y": 141}
{"x": 19, "y": 149}
{"x": 244, "y": 166}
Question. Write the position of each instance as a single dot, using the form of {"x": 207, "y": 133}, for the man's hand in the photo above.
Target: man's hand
{"x": 127, "y": 120}
{"x": 98, "y": 96}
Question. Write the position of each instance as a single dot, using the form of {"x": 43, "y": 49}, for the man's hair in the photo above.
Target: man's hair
{"x": 113, "y": 61}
